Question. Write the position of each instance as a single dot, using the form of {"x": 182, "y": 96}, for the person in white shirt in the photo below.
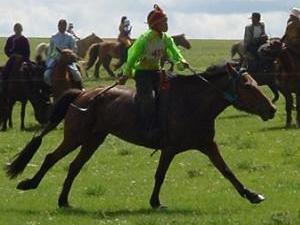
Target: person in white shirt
{"x": 62, "y": 40}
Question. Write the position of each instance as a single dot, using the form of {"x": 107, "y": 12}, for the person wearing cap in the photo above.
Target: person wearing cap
{"x": 71, "y": 31}
{"x": 16, "y": 44}
{"x": 143, "y": 64}
{"x": 124, "y": 31}
{"x": 254, "y": 36}
{"x": 291, "y": 37}
{"x": 62, "y": 40}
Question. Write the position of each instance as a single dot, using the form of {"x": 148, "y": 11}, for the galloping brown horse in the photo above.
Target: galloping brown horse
{"x": 288, "y": 64}
{"x": 61, "y": 77}
{"x": 23, "y": 84}
{"x": 105, "y": 51}
{"x": 191, "y": 106}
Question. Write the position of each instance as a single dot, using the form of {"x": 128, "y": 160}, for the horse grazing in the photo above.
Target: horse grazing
{"x": 24, "y": 84}
{"x": 104, "y": 52}
{"x": 61, "y": 76}
{"x": 287, "y": 63}
{"x": 190, "y": 106}
{"x": 82, "y": 46}
{"x": 180, "y": 40}
{"x": 239, "y": 49}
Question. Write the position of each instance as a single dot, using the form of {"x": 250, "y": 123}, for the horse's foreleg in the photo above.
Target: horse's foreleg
{"x": 23, "y": 108}
{"x": 63, "y": 149}
{"x": 274, "y": 89}
{"x": 298, "y": 108}
{"x": 165, "y": 160}
{"x": 106, "y": 63}
{"x": 87, "y": 150}
{"x": 288, "y": 108}
{"x": 214, "y": 155}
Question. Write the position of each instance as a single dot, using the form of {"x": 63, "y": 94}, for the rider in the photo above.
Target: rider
{"x": 71, "y": 31}
{"x": 125, "y": 30}
{"x": 16, "y": 44}
{"x": 143, "y": 64}
{"x": 254, "y": 36}
{"x": 61, "y": 40}
{"x": 291, "y": 37}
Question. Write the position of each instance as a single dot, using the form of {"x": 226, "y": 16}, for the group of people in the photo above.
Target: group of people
{"x": 255, "y": 35}
{"x": 144, "y": 55}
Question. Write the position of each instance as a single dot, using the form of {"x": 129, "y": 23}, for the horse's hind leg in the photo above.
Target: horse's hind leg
{"x": 62, "y": 150}
{"x": 165, "y": 160}
{"x": 97, "y": 67}
{"x": 10, "y": 112}
{"x": 23, "y": 108}
{"x": 106, "y": 62}
{"x": 87, "y": 150}
{"x": 214, "y": 155}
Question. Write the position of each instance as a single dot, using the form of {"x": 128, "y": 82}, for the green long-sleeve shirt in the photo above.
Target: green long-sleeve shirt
{"x": 147, "y": 51}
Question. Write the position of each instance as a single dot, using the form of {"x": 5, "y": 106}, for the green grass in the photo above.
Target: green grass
{"x": 115, "y": 186}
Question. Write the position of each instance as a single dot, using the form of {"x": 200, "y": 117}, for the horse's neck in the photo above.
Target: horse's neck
{"x": 205, "y": 99}
{"x": 289, "y": 61}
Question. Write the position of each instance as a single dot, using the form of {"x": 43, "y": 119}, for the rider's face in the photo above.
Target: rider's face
{"x": 162, "y": 26}
{"x": 62, "y": 26}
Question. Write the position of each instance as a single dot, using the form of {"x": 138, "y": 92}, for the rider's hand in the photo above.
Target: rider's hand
{"x": 123, "y": 79}
{"x": 185, "y": 65}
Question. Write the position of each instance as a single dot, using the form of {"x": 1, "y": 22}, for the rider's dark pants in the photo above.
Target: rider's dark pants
{"x": 147, "y": 87}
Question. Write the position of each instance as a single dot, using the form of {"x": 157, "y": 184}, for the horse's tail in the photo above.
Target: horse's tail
{"x": 58, "y": 113}
{"x": 92, "y": 55}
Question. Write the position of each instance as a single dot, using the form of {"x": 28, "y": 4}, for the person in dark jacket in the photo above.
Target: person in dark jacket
{"x": 16, "y": 44}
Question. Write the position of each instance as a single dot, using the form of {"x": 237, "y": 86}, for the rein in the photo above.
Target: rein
{"x": 230, "y": 96}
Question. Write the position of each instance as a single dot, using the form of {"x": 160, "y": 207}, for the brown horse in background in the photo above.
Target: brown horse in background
{"x": 104, "y": 52}
{"x": 188, "y": 110}
{"x": 23, "y": 84}
{"x": 61, "y": 76}
{"x": 287, "y": 63}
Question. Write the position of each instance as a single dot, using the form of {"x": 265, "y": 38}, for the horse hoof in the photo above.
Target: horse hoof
{"x": 26, "y": 185}
{"x": 64, "y": 204}
{"x": 254, "y": 198}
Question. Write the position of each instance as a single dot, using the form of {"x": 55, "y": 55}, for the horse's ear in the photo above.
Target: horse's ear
{"x": 59, "y": 50}
{"x": 231, "y": 70}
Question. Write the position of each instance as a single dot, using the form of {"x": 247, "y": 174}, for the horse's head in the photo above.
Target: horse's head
{"x": 273, "y": 48}
{"x": 182, "y": 41}
{"x": 17, "y": 61}
{"x": 244, "y": 94}
{"x": 67, "y": 56}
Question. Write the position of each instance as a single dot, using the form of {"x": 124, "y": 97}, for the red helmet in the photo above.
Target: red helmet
{"x": 155, "y": 16}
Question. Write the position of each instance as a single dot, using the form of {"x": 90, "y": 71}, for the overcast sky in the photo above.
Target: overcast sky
{"x": 220, "y": 19}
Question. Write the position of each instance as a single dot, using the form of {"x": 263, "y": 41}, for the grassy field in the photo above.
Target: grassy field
{"x": 115, "y": 186}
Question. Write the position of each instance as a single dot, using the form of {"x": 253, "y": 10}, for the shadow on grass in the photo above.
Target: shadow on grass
{"x": 102, "y": 214}
{"x": 235, "y": 116}
{"x": 276, "y": 128}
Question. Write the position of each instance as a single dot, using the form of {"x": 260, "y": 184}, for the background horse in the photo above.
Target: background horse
{"x": 24, "y": 84}
{"x": 288, "y": 65}
{"x": 61, "y": 76}
{"x": 103, "y": 53}
{"x": 82, "y": 45}
{"x": 190, "y": 106}
{"x": 264, "y": 74}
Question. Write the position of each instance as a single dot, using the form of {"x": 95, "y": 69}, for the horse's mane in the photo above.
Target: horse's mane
{"x": 213, "y": 72}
